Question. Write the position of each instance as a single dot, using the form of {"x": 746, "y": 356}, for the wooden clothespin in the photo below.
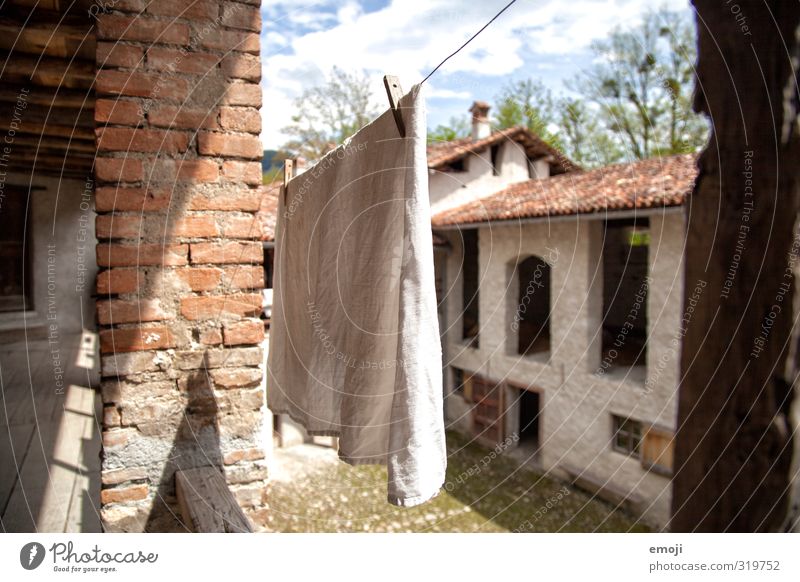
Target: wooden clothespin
{"x": 395, "y": 92}
{"x": 288, "y": 171}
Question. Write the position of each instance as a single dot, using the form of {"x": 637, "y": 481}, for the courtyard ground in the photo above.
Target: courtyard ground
{"x": 312, "y": 491}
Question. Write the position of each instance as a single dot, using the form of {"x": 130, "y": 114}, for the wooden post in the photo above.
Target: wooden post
{"x": 736, "y": 437}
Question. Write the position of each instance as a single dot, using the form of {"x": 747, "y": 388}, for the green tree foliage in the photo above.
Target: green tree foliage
{"x": 582, "y": 138}
{"x": 640, "y": 86}
{"x": 634, "y": 102}
{"x": 530, "y": 104}
{"x": 327, "y": 114}
{"x": 457, "y": 128}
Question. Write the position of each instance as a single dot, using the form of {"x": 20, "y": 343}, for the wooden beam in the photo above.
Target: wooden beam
{"x": 51, "y": 161}
{"x": 27, "y": 153}
{"x": 53, "y": 167}
{"x": 64, "y": 145}
{"x": 47, "y": 72}
{"x": 76, "y": 133}
{"x": 54, "y": 11}
{"x": 65, "y": 98}
{"x": 44, "y": 4}
{"x": 39, "y": 38}
{"x": 207, "y": 504}
{"x": 57, "y": 115}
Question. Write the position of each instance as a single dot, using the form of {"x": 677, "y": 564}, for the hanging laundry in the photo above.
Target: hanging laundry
{"x": 354, "y": 338}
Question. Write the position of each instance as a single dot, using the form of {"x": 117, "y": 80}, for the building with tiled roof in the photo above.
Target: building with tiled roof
{"x": 560, "y": 309}
{"x": 464, "y": 170}
{"x": 559, "y": 305}
{"x": 653, "y": 183}
{"x": 443, "y": 155}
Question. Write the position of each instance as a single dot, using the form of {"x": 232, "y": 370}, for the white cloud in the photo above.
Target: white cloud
{"x": 408, "y": 38}
{"x": 436, "y": 93}
{"x": 276, "y": 39}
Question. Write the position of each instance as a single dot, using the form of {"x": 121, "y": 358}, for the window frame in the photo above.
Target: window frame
{"x": 459, "y": 378}
{"x": 494, "y": 154}
{"x": 633, "y": 437}
{"x": 464, "y": 389}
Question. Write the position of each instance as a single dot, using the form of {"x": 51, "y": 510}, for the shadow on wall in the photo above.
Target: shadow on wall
{"x": 196, "y": 444}
{"x": 188, "y": 233}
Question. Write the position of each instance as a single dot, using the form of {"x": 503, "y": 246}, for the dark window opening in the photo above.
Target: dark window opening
{"x": 532, "y": 318}
{"x": 529, "y": 419}
{"x": 470, "y": 317}
{"x": 627, "y": 437}
{"x": 495, "y": 164}
{"x": 458, "y": 380}
{"x": 269, "y": 272}
{"x": 462, "y": 384}
{"x": 457, "y": 166}
{"x": 625, "y": 288}
{"x": 14, "y": 251}
{"x": 269, "y": 266}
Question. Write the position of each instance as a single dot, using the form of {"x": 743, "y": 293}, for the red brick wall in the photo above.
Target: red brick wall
{"x": 177, "y": 168}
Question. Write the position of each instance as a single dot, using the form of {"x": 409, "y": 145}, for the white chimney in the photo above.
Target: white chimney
{"x": 480, "y": 120}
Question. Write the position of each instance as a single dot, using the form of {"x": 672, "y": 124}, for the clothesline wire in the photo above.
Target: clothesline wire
{"x": 506, "y": 7}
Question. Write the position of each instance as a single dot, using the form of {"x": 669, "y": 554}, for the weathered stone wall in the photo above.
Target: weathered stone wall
{"x": 577, "y": 401}
{"x": 177, "y": 173}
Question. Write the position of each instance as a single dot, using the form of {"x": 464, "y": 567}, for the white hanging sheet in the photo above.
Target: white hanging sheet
{"x": 354, "y": 339}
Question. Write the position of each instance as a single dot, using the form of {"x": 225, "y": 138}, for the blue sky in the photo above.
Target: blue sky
{"x": 546, "y": 40}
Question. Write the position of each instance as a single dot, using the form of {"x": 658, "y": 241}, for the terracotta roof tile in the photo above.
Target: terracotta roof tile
{"x": 268, "y": 213}
{"x": 656, "y": 182}
{"x": 645, "y": 184}
{"x": 444, "y": 153}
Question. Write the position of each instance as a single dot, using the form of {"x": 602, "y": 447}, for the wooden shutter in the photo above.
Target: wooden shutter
{"x": 657, "y": 450}
{"x": 487, "y": 411}
{"x": 467, "y": 390}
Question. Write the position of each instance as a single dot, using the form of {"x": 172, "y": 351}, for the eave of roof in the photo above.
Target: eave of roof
{"x": 443, "y": 154}
{"x": 654, "y": 183}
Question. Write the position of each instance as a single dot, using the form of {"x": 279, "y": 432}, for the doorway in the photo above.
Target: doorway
{"x": 525, "y": 422}
{"x": 529, "y": 415}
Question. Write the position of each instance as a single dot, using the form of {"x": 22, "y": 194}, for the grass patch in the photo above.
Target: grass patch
{"x": 497, "y": 495}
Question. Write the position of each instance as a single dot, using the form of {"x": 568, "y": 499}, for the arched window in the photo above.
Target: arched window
{"x": 532, "y": 318}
